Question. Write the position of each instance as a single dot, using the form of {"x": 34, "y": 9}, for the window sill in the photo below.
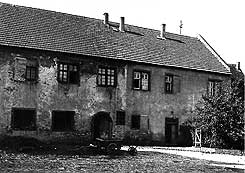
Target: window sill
{"x": 105, "y": 86}
{"x": 135, "y": 129}
{"x": 140, "y": 90}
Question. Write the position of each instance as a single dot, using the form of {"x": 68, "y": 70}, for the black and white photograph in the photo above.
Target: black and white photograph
{"x": 130, "y": 86}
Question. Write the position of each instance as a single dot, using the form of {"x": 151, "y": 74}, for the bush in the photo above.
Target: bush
{"x": 221, "y": 117}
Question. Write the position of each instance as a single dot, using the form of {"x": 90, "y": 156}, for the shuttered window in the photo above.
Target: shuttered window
{"x": 172, "y": 84}
{"x": 141, "y": 80}
{"x": 68, "y": 73}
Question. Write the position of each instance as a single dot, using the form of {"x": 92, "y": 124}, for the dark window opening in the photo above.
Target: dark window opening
{"x": 63, "y": 120}
{"x": 169, "y": 84}
{"x": 141, "y": 80}
{"x": 31, "y": 73}
{"x": 120, "y": 119}
{"x": 135, "y": 122}
{"x": 68, "y": 73}
{"x": 106, "y": 77}
{"x": 23, "y": 119}
{"x": 214, "y": 87}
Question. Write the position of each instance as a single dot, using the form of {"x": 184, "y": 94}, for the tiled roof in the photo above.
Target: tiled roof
{"x": 48, "y": 30}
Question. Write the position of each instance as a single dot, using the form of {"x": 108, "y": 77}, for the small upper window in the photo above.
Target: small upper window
{"x": 141, "y": 80}
{"x": 31, "y": 73}
{"x": 68, "y": 73}
{"x": 213, "y": 87}
{"x": 106, "y": 76}
{"x": 169, "y": 84}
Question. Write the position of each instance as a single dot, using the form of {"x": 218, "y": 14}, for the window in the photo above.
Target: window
{"x": 23, "y": 119}
{"x": 120, "y": 119}
{"x": 31, "y": 73}
{"x": 68, "y": 73}
{"x": 213, "y": 87}
{"x": 135, "y": 122}
{"x": 169, "y": 84}
{"x": 63, "y": 120}
{"x": 106, "y": 76}
{"x": 141, "y": 80}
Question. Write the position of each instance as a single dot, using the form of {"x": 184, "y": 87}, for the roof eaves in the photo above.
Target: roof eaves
{"x": 139, "y": 61}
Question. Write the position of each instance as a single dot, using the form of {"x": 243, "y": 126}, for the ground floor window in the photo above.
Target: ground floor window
{"x": 23, "y": 119}
{"x": 135, "y": 122}
{"x": 63, "y": 120}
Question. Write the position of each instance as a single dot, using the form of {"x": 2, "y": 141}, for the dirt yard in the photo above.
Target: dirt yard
{"x": 143, "y": 162}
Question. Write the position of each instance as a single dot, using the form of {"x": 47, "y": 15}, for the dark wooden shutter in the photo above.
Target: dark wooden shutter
{"x": 177, "y": 84}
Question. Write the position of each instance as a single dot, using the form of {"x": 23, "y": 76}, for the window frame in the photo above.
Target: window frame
{"x": 61, "y": 72}
{"x": 171, "y": 83}
{"x": 137, "y": 125}
{"x": 141, "y": 76}
{"x": 216, "y": 83}
{"x": 119, "y": 119}
{"x": 107, "y": 75}
{"x": 14, "y": 125}
{"x": 31, "y": 69}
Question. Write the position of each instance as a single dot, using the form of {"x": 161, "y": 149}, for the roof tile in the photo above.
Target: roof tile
{"x": 48, "y": 30}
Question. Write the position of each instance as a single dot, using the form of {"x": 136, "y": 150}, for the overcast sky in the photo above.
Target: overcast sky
{"x": 220, "y": 22}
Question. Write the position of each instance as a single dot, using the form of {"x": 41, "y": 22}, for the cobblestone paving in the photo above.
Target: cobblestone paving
{"x": 143, "y": 162}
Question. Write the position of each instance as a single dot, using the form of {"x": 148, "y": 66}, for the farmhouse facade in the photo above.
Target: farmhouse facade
{"x": 67, "y": 77}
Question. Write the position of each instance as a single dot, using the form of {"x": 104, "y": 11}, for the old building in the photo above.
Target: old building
{"x": 68, "y": 77}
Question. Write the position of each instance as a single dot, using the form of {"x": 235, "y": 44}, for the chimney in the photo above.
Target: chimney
{"x": 239, "y": 66}
{"x": 106, "y": 20}
{"x": 163, "y": 31}
{"x": 122, "y": 25}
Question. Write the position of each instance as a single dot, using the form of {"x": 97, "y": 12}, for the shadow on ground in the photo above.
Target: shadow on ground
{"x": 18, "y": 144}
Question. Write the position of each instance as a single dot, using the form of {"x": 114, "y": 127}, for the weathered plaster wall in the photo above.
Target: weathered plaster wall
{"x": 87, "y": 99}
{"x": 158, "y": 105}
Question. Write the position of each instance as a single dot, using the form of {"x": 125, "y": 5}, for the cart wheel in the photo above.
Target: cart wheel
{"x": 132, "y": 151}
{"x": 111, "y": 148}
{"x": 119, "y": 147}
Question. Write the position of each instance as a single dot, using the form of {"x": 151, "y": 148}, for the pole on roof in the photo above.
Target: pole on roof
{"x": 180, "y": 26}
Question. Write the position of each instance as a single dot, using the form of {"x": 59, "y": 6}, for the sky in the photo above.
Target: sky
{"x": 220, "y": 22}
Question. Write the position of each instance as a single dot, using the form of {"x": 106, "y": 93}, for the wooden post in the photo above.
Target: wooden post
{"x": 198, "y": 138}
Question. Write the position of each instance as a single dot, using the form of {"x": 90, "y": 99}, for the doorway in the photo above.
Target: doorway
{"x": 101, "y": 126}
{"x": 171, "y": 130}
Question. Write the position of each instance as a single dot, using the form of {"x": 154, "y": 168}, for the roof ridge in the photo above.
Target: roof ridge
{"x": 25, "y": 27}
{"x": 80, "y": 16}
{"x": 52, "y": 11}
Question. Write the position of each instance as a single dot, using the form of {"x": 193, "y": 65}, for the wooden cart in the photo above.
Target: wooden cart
{"x": 112, "y": 145}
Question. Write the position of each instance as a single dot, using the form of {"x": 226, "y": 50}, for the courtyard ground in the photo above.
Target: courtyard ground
{"x": 145, "y": 161}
